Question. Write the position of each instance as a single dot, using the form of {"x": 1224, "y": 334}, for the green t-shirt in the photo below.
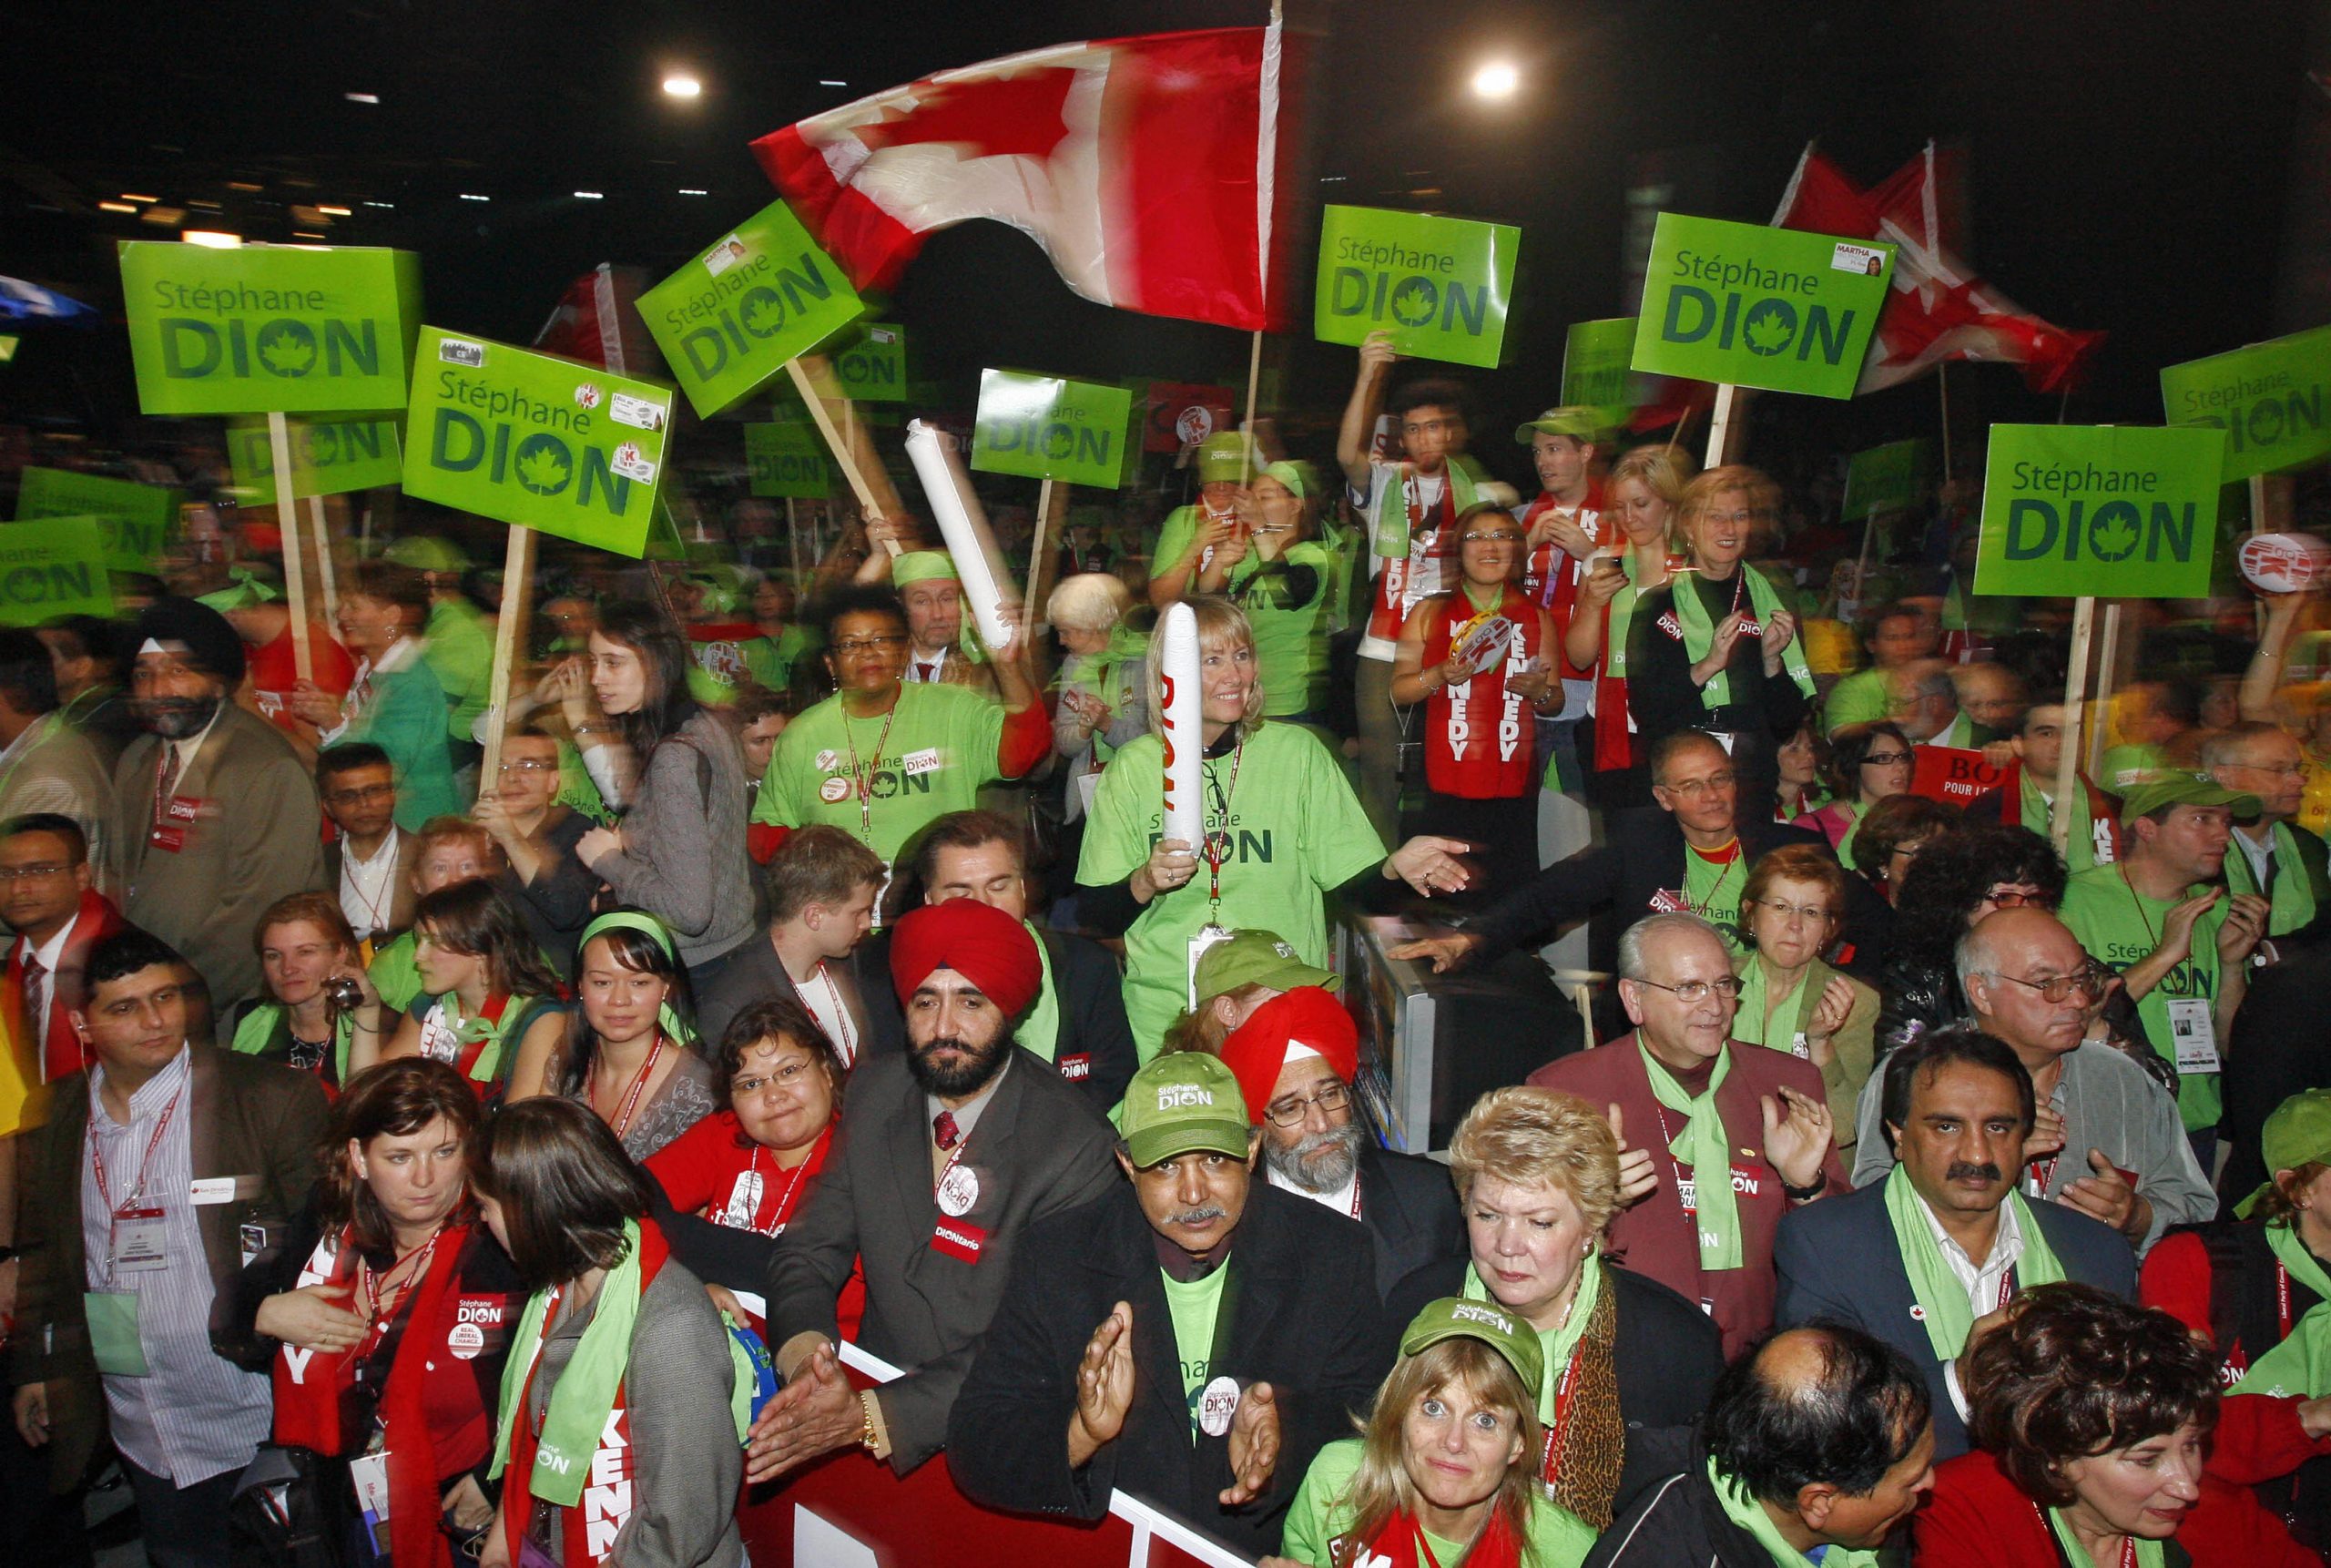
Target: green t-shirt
{"x": 940, "y": 751}
{"x": 1174, "y": 537}
{"x": 1295, "y": 830}
{"x": 1712, "y": 890}
{"x": 2119, "y": 926}
{"x": 393, "y": 973}
{"x": 770, "y": 661}
{"x": 1558, "y": 1538}
{"x": 459, "y": 647}
{"x": 1857, "y": 699}
{"x": 1196, "y": 1304}
{"x": 1290, "y": 645}
{"x": 2126, "y": 766}
{"x": 2088, "y": 836}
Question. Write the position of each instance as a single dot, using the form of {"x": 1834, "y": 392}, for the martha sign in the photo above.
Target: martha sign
{"x": 1046, "y": 428}
{"x": 759, "y": 295}
{"x": 1439, "y": 285}
{"x": 2108, "y": 511}
{"x": 535, "y": 442}
{"x": 2268, "y": 398}
{"x": 269, "y": 329}
{"x": 1773, "y": 308}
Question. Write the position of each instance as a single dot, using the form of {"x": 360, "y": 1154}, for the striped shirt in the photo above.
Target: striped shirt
{"x": 194, "y": 1415}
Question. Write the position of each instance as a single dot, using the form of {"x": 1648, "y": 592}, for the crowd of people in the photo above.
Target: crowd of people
{"x": 460, "y": 1128}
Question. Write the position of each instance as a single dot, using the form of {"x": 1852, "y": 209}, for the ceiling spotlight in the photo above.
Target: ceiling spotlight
{"x": 680, "y": 85}
{"x": 133, "y": 196}
{"x": 114, "y": 207}
{"x": 827, "y": 84}
{"x": 212, "y": 237}
{"x": 334, "y": 212}
{"x": 362, "y": 97}
{"x": 468, "y": 197}
{"x": 1497, "y": 79}
{"x": 387, "y": 204}
{"x": 590, "y": 196}
{"x": 684, "y": 191}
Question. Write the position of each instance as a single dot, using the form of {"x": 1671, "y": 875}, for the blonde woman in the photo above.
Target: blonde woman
{"x": 1643, "y": 491}
{"x": 1539, "y": 1176}
{"x": 1103, "y": 695}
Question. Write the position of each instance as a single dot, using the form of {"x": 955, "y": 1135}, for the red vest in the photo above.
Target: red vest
{"x": 1481, "y": 737}
{"x": 1550, "y": 577}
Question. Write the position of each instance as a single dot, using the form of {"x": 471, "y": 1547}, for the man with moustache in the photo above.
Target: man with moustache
{"x": 1194, "y": 1336}
{"x": 215, "y": 816}
{"x": 946, "y": 1156}
{"x": 1924, "y": 1256}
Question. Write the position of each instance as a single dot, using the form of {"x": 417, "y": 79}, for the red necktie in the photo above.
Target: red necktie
{"x": 36, "y": 994}
{"x": 943, "y": 1129}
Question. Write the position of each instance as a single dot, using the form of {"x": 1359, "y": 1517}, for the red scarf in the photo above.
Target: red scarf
{"x": 1480, "y": 737}
{"x": 1552, "y": 574}
{"x": 1615, "y": 743}
{"x": 611, "y": 1492}
{"x": 1401, "y": 1544}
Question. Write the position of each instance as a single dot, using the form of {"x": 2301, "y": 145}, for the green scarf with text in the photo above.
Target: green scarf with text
{"x": 1699, "y": 632}
{"x": 1702, "y": 1147}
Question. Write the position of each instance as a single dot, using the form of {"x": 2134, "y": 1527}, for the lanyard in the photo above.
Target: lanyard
{"x": 97, "y": 1156}
{"x": 2138, "y": 905}
{"x": 1214, "y": 842}
{"x": 368, "y": 1291}
{"x": 622, "y": 1122}
{"x": 776, "y": 1215}
{"x": 162, "y": 761}
{"x": 1731, "y": 863}
{"x": 2282, "y": 1300}
{"x": 2127, "y": 1543}
{"x": 844, "y": 1026}
{"x": 863, "y": 778}
{"x": 2042, "y": 1172}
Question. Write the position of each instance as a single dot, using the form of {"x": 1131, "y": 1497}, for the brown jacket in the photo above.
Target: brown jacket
{"x": 261, "y": 1124}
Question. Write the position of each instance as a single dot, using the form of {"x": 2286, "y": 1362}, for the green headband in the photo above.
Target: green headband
{"x": 1291, "y": 474}
{"x": 248, "y": 590}
{"x": 921, "y": 567}
{"x": 667, "y": 1017}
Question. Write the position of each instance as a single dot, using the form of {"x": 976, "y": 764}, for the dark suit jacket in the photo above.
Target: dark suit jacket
{"x": 398, "y": 915}
{"x": 96, "y": 920}
{"x": 757, "y": 975}
{"x": 1667, "y": 1358}
{"x": 1297, "y": 1313}
{"x": 1838, "y": 1259}
{"x": 1411, "y": 1211}
{"x": 1092, "y": 1025}
{"x": 253, "y": 1121}
{"x": 1037, "y": 1149}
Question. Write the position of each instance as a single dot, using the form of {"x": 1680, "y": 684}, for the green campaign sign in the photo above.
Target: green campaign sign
{"x": 1886, "y": 478}
{"x": 135, "y": 519}
{"x": 759, "y": 295}
{"x": 1047, "y": 428}
{"x": 56, "y": 566}
{"x": 535, "y": 440}
{"x": 1595, "y": 371}
{"x": 784, "y": 460}
{"x": 1758, "y": 307}
{"x": 268, "y": 329}
{"x": 871, "y": 366}
{"x": 328, "y": 456}
{"x": 2121, "y": 512}
{"x": 1439, "y": 285}
{"x": 2268, "y": 398}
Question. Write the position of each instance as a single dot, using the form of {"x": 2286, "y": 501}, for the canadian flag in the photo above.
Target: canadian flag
{"x": 1149, "y": 168}
{"x": 1939, "y": 309}
{"x": 597, "y": 321}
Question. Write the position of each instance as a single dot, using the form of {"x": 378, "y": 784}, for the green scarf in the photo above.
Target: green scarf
{"x": 2301, "y": 1364}
{"x": 1561, "y": 1343}
{"x": 1039, "y": 1028}
{"x": 1699, "y": 632}
{"x": 1749, "y": 1514}
{"x": 2294, "y": 899}
{"x": 1390, "y": 528}
{"x": 1942, "y": 1299}
{"x": 1704, "y": 1147}
{"x": 585, "y": 1395}
{"x": 257, "y": 1031}
{"x": 477, "y": 1027}
{"x": 2149, "y": 1552}
{"x": 676, "y": 1029}
{"x": 1623, "y": 609}
{"x": 1860, "y": 809}
{"x": 1752, "y": 1022}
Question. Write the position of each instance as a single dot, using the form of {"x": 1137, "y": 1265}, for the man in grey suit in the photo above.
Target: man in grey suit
{"x": 944, "y": 1157}
{"x": 215, "y": 814}
{"x": 1926, "y": 1258}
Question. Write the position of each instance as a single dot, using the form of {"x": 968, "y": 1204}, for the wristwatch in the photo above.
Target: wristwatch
{"x": 1805, "y": 1194}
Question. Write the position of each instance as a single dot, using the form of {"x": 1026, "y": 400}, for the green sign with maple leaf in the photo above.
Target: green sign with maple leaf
{"x": 135, "y": 520}
{"x": 870, "y": 363}
{"x": 759, "y": 295}
{"x": 1043, "y": 427}
{"x": 1758, "y": 307}
{"x": 535, "y": 440}
{"x": 784, "y": 460}
{"x": 2119, "y": 512}
{"x": 56, "y": 566}
{"x": 264, "y": 329}
{"x": 1439, "y": 285}
{"x": 1888, "y": 478}
{"x": 328, "y": 456}
{"x": 2269, "y": 399}
{"x": 1595, "y": 373}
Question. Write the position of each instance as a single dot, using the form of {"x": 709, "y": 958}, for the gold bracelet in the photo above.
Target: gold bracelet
{"x": 869, "y": 1437}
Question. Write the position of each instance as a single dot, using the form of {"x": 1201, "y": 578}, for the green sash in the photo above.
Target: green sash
{"x": 257, "y": 1031}
{"x": 1704, "y": 1147}
{"x": 1622, "y": 610}
{"x": 585, "y": 1395}
{"x": 1559, "y": 1344}
{"x": 477, "y": 1027}
{"x": 2293, "y": 898}
{"x": 1390, "y": 528}
{"x": 1942, "y": 1299}
{"x": 1751, "y": 1022}
{"x": 1699, "y": 632}
{"x": 2301, "y": 1364}
{"x": 1749, "y": 1514}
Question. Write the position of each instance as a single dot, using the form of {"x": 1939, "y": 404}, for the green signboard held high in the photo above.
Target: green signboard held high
{"x": 785, "y": 460}
{"x": 1594, "y": 367}
{"x": 871, "y": 364}
{"x": 1046, "y": 428}
{"x": 535, "y": 440}
{"x": 328, "y": 456}
{"x": 270, "y": 329}
{"x": 56, "y": 566}
{"x": 2269, "y": 399}
{"x": 135, "y": 520}
{"x": 1773, "y": 308}
{"x": 1439, "y": 285}
{"x": 2118, "y": 512}
{"x": 759, "y": 295}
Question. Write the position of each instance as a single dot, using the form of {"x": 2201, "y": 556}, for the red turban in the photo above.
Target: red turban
{"x": 1306, "y": 1020}
{"x": 983, "y": 944}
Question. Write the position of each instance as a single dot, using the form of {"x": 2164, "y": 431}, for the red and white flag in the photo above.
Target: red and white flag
{"x": 1149, "y": 168}
{"x": 1938, "y": 309}
{"x": 597, "y": 321}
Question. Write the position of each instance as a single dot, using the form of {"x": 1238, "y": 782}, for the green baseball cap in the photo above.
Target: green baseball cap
{"x": 1256, "y": 958}
{"x": 2298, "y": 1133}
{"x": 1181, "y": 1101}
{"x": 1454, "y": 1317}
{"x": 1223, "y": 455}
{"x": 1585, "y": 423}
{"x": 2182, "y": 788}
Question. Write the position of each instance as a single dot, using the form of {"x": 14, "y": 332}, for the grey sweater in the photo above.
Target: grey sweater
{"x": 684, "y": 855}
{"x": 687, "y": 1464}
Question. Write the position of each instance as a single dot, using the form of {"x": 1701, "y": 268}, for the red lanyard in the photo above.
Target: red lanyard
{"x": 622, "y": 1122}
{"x": 2283, "y": 1299}
{"x": 1555, "y": 1428}
{"x": 97, "y": 1156}
{"x": 368, "y": 1292}
{"x": 2127, "y": 1543}
{"x": 776, "y": 1215}
{"x": 863, "y": 778}
{"x": 2043, "y": 1172}
{"x": 1214, "y": 840}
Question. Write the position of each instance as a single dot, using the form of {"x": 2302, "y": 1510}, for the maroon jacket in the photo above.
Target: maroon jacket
{"x": 1654, "y": 1236}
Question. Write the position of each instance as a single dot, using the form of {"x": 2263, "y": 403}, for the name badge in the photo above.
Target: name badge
{"x": 210, "y": 1189}
{"x": 1747, "y": 1183}
{"x": 1688, "y": 1192}
{"x": 959, "y": 1239}
{"x": 2193, "y": 1032}
{"x": 370, "y": 1474}
{"x": 139, "y": 1241}
{"x": 917, "y": 763}
{"x": 1076, "y": 1068}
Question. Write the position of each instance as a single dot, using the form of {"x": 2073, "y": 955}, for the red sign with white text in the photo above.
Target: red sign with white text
{"x": 1952, "y": 775}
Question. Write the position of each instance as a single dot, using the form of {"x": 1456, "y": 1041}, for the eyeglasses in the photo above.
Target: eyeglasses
{"x": 2014, "y": 896}
{"x": 527, "y": 765}
{"x": 1794, "y": 911}
{"x": 867, "y": 645}
{"x": 754, "y": 1083}
{"x": 2278, "y": 769}
{"x": 1886, "y": 758}
{"x": 1693, "y": 789}
{"x": 1331, "y": 1098}
{"x": 358, "y": 796}
{"x": 1498, "y": 537}
{"x": 2090, "y": 983}
{"x": 1692, "y": 992}
{"x": 23, "y": 874}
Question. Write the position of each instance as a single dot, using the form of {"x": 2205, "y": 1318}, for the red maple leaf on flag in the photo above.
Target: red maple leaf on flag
{"x": 1018, "y": 116}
